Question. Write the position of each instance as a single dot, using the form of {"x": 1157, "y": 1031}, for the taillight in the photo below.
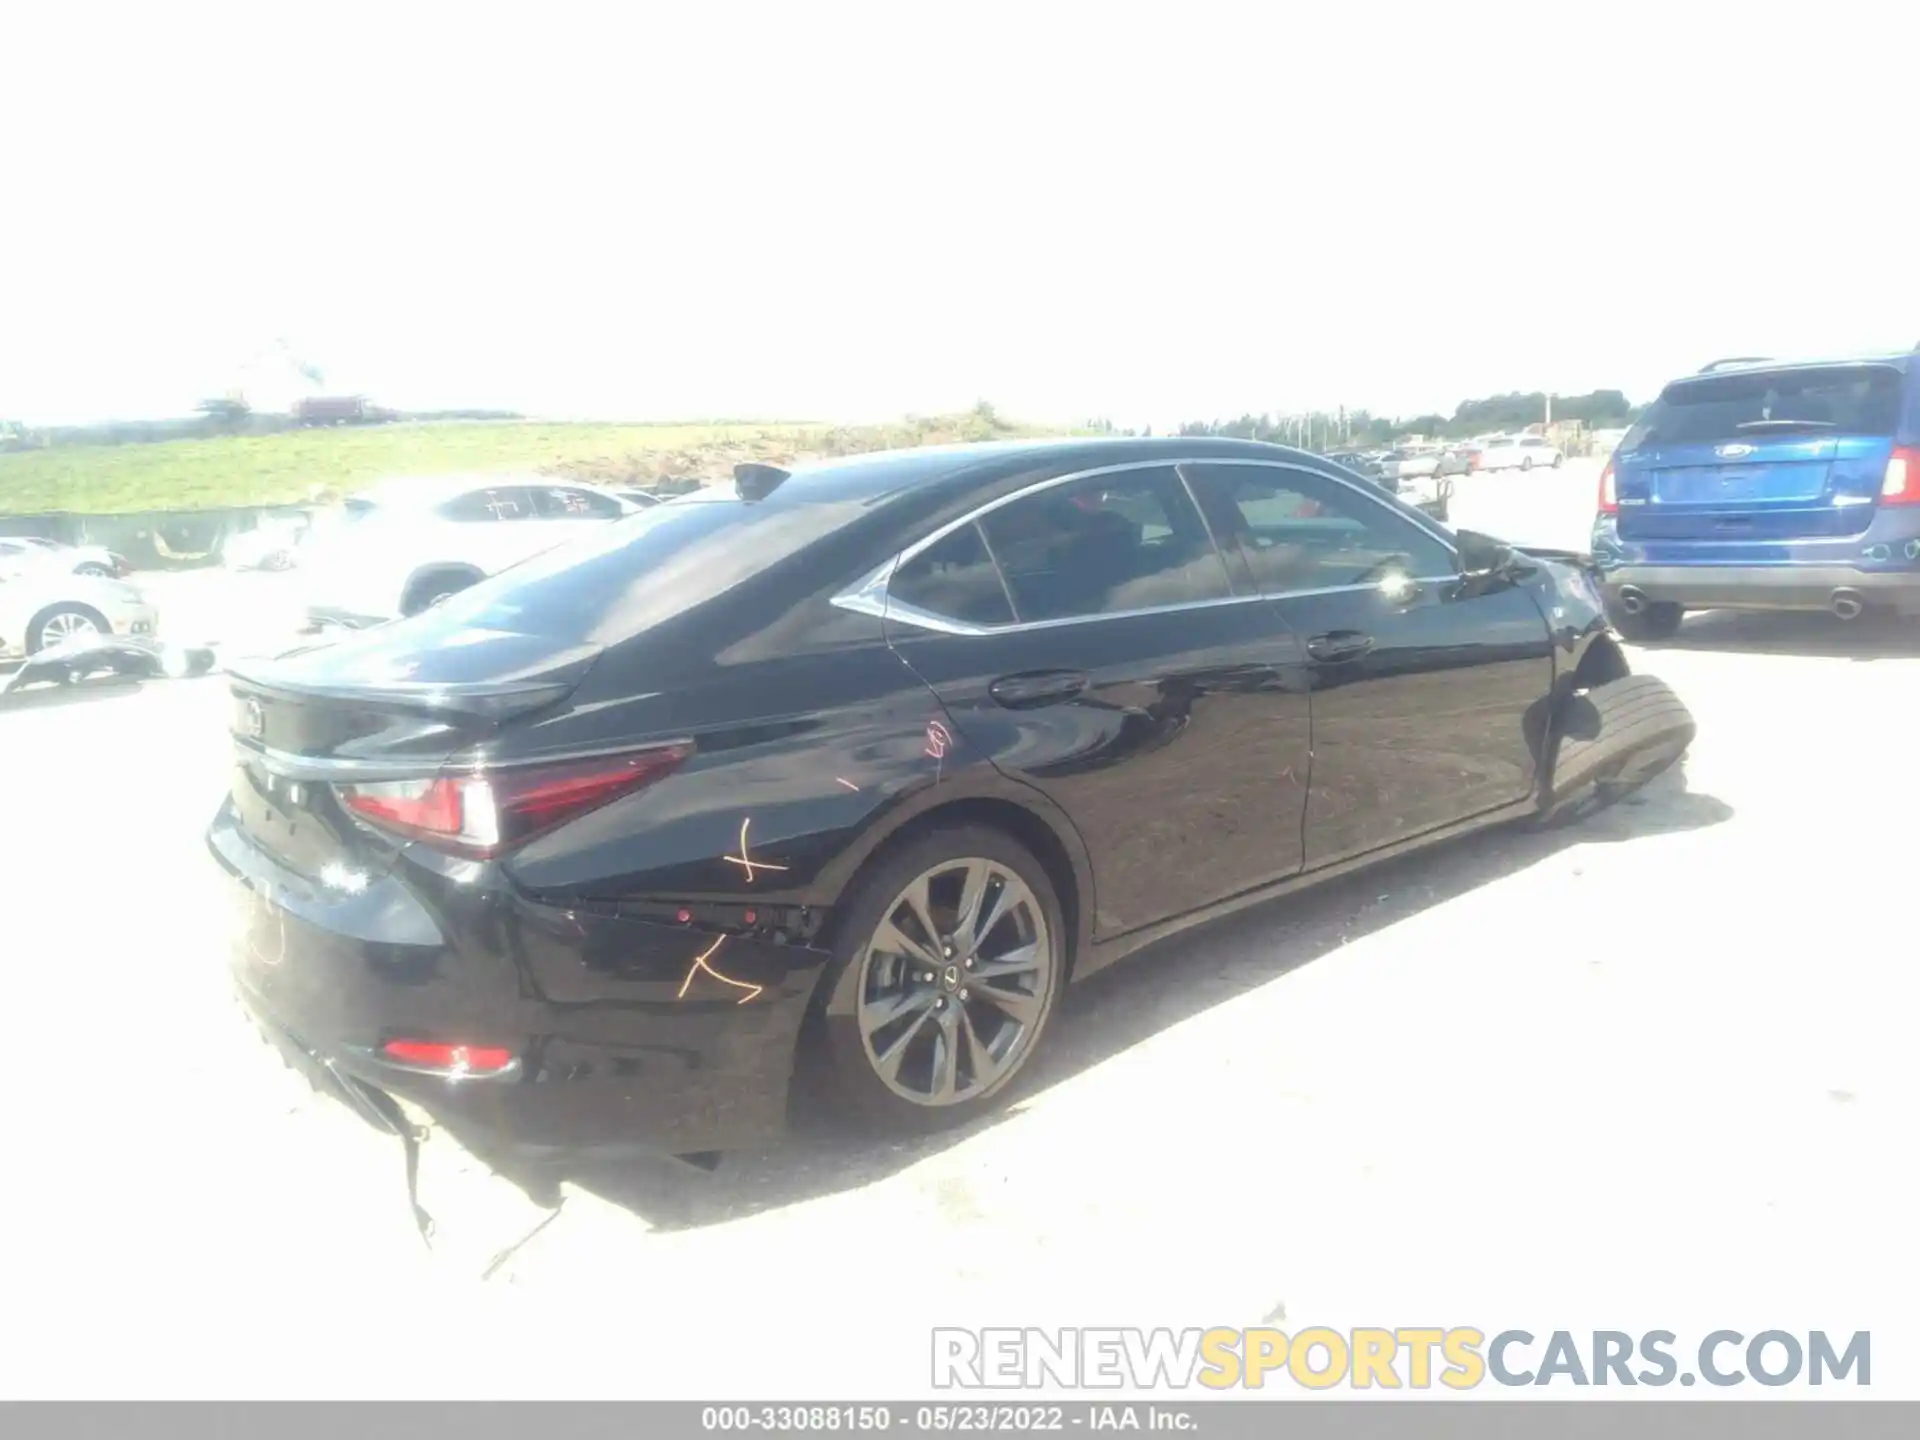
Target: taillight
{"x": 1609, "y": 501}
{"x": 491, "y": 812}
{"x": 1901, "y": 485}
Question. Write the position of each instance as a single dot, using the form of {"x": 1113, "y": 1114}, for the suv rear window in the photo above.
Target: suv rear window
{"x": 1849, "y": 400}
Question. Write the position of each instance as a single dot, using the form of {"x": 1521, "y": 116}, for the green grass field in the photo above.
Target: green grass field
{"x": 301, "y": 465}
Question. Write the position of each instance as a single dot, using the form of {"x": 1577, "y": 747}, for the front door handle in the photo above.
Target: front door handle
{"x": 1036, "y": 688}
{"x": 1339, "y": 647}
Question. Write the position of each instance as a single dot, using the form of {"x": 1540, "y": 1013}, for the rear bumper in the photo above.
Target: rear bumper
{"x": 1753, "y": 587}
{"x": 1882, "y": 563}
{"x": 621, "y": 1039}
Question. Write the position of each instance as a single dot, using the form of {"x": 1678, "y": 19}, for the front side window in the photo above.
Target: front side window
{"x": 1298, "y": 531}
{"x": 1132, "y": 540}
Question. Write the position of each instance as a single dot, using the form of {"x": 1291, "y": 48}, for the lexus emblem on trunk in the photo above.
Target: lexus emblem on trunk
{"x": 1733, "y": 452}
{"x": 253, "y": 719}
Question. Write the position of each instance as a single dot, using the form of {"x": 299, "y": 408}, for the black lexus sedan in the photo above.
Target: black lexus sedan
{"x": 847, "y": 772}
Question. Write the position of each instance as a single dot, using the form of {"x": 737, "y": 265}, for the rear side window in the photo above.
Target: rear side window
{"x": 1853, "y": 400}
{"x": 1105, "y": 546}
{"x": 956, "y": 579}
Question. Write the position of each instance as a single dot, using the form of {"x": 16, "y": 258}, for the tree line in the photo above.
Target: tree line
{"x": 1361, "y": 429}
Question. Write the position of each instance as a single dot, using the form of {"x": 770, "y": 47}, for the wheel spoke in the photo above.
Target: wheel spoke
{"x": 1016, "y": 1005}
{"x": 890, "y": 939}
{"x": 920, "y": 903}
{"x": 888, "y": 1060}
{"x": 973, "y": 892}
{"x": 1011, "y": 894}
{"x": 1022, "y": 961}
{"x": 946, "y": 1063}
{"x": 877, "y": 1015}
{"x": 980, "y": 1060}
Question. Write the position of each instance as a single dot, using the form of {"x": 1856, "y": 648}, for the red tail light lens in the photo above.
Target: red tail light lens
{"x": 1609, "y": 500}
{"x": 1902, "y": 483}
{"x": 454, "y": 1059}
{"x": 487, "y": 814}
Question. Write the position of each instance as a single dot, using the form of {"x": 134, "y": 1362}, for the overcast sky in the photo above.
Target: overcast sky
{"x": 840, "y": 211}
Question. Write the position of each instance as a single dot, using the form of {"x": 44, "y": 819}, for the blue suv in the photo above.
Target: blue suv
{"x": 1762, "y": 485}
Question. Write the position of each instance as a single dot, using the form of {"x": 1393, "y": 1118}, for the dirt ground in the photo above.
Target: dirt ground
{"x": 1655, "y": 1072}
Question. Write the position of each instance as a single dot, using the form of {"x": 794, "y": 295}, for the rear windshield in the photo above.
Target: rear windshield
{"x": 638, "y": 572}
{"x": 1852, "y": 400}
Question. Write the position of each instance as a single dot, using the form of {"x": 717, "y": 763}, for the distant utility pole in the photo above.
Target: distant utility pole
{"x": 1549, "y": 409}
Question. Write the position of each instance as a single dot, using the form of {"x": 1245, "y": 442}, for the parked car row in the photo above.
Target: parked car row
{"x": 1439, "y": 461}
{"x": 1419, "y": 478}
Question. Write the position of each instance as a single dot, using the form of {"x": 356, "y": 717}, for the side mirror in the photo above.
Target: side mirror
{"x": 1482, "y": 554}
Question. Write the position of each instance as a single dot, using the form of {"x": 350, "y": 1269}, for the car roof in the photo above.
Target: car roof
{"x": 940, "y": 472}
{"x": 1899, "y": 360}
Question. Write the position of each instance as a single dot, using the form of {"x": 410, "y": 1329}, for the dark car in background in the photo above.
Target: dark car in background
{"x": 1766, "y": 485}
{"x": 845, "y": 774}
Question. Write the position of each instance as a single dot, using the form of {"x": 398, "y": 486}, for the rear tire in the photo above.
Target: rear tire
{"x": 871, "y": 978}
{"x": 93, "y": 571}
{"x": 1614, "y": 738}
{"x": 1659, "y": 621}
{"x": 65, "y": 622}
{"x": 1527, "y": 463}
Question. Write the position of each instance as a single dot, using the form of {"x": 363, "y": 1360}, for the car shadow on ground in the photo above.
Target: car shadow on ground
{"x": 1809, "y": 635}
{"x": 1136, "y": 999}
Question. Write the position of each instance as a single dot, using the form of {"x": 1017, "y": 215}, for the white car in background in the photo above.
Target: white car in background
{"x": 1518, "y": 452}
{"x": 408, "y": 544}
{"x": 18, "y": 551}
{"x": 45, "y": 605}
{"x": 272, "y": 545}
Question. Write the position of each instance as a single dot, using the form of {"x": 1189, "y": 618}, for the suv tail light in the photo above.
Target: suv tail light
{"x": 1902, "y": 483}
{"x": 490, "y": 813}
{"x": 1609, "y": 499}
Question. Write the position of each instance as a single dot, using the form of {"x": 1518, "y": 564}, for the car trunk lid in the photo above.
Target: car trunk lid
{"x": 1767, "y": 455}
{"x": 373, "y": 707}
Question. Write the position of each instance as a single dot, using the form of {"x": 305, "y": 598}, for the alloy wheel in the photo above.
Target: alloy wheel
{"x": 65, "y": 625}
{"x": 953, "y": 982}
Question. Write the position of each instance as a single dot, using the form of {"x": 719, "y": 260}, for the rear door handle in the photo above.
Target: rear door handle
{"x": 1037, "y": 687}
{"x": 1337, "y": 647}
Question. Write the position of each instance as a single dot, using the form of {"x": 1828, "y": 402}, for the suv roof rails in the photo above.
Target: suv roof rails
{"x": 1733, "y": 360}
